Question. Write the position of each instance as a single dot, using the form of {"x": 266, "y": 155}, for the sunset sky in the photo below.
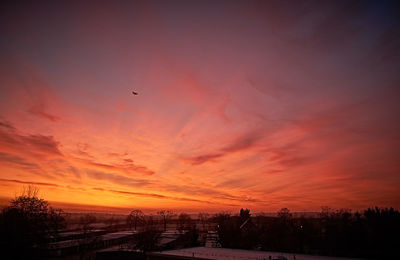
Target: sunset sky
{"x": 251, "y": 104}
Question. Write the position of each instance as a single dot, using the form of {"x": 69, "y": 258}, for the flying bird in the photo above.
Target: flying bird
{"x": 134, "y": 93}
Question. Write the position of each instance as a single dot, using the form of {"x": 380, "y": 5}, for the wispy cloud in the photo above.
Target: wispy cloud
{"x": 38, "y": 144}
{"x": 39, "y": 110}
{"x": 31, "y": 183}
{"x": 7, "y": 125}
{"x": 118, "y": 179}
{"x": 19, "y": 161}
{"x": 200, "y": 159}
{"x": 160, "y": 196}
{"x": 210, "y": 192}
{"x": 127, "y": 166}
{"x": 240, "y": 144}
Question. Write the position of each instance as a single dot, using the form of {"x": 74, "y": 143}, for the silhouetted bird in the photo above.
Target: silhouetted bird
{"x": 134, "y": 93}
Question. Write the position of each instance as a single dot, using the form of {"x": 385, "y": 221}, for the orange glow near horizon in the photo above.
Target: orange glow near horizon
{"x": 239, "y": 105}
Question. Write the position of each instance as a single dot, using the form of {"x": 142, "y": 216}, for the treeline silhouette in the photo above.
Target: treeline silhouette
{"x": 373, "y": 233}
{"x": 29, "y": 223}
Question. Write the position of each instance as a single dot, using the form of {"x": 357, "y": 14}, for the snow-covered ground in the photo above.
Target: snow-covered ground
{"x": 226, "y": 253}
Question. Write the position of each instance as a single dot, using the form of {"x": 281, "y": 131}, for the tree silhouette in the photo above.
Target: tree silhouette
{"x": 383, "y": 229}
{"x": 147, "y": 240}
{"x": 28, "y": 223}
{"x": 88, "y": 240}
{"x": 86, "y": 222}
{"x": 135, "y": 218}
{"x": 184, "y": 222}
{"x": 244, "y": 215}
{"x": 165, "y": 215}
{"x": 284, "y": 213}
{"x": 203, "y": 217}
{"x": 111, "y": 223}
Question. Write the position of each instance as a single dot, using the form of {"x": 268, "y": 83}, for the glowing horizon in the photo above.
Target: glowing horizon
{"x": 240, "y": 104}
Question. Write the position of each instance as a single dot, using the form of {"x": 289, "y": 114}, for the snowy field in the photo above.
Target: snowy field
{"x": 226, "y": 253}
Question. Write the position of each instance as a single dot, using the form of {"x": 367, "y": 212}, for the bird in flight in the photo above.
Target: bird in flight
{"x": 134, "y": 93}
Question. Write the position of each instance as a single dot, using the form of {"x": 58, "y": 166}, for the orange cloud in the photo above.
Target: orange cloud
{"x": 270, "y": 107}
{"x": 34, "y": 145}
{"x": 31, "y": 183}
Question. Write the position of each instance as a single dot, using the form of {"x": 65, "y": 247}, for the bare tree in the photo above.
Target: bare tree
{"x": 30, "y": 191}
{"x": 111, "y": 223}
{"x": 165, "y": 215}
{"x": 87, "y": 222}
{"x": 184, "y": 222}
{"x": 148, "y": 239}
{"x": 135, "y": 218}
{"x": 88, "y": 240}
{"x": 56, "y": 221}
{"x": 203, "y": 217}
{"x": 244, "y": 215}
{"x": 284, "y": 213}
